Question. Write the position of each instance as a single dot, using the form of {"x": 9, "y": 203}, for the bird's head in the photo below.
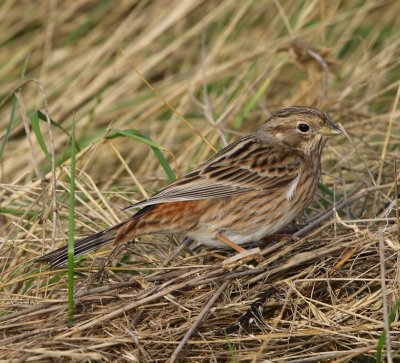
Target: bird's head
{"x": 298, "y": 127}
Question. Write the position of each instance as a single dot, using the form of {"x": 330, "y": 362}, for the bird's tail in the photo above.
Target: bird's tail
{"x": 120, "y": 233}
{"x": 93, "y": 242}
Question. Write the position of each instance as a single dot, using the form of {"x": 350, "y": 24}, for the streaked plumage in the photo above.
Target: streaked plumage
{"x": 249, "y": 190}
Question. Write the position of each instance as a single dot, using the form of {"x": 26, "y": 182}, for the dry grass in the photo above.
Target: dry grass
{"x": 223, "y": 66}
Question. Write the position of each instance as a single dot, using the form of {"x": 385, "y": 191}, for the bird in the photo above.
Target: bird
{"x": 250, "y": 190}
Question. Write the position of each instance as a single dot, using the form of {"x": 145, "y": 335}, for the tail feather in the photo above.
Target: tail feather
{"x": 93, "y": 242}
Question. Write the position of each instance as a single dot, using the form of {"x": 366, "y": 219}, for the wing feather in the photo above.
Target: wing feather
{"x": 240, "y": 167}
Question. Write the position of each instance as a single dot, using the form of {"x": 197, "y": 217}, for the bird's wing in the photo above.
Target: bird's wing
{"x": 240, "y": 167}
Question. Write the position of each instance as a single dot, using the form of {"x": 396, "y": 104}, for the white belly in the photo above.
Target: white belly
{"x": 252, "y": 235}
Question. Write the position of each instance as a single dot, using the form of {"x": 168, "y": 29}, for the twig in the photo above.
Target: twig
{"x": 396, "y": 198}
{"x": 384, "y": 296}
{"x": 277, "y": 319}
{"x": 53, "y": 162}
{"x": 208, "y": 111}
{"x": 52, "y": 146}
{"x": 131, "y": 306}
{"x": 353, "y": 354}
{"x": 198, "y": 320}
{"x": 339, "y": 206}
{"x": 178, "y": 249}
{"x": 300, "y": 259}
{"x": 360, "y": 157}
{"x": 26, "y": 122}
{"x": 45, "y": 307}
{"x": 325, "y": 71}
{"x": 387, "y": 137}
{"x": 168, "y": 104}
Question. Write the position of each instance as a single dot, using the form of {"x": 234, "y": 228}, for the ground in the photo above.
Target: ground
{"x": 154, "y": 88}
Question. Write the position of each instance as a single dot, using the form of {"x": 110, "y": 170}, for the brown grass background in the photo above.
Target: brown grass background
{"x": 215, "y": 70}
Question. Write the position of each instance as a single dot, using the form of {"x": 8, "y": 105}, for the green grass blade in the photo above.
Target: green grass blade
{"x": 43, "y": 117}
{"x": 18, "y": 212}
{"x": 144, "y": 139}
{"x": 326, "y": 190}
{"x": 12, "y": 115}
{"x": 71, "y": 236}
{"x": 133, "y": 134}
{"x": 38, "y": 133}
{"x": 382, "y": 338}
{"x": 231, "y": 349}
{"x": 164, "y": 164}
{"x": 9, "y": 127}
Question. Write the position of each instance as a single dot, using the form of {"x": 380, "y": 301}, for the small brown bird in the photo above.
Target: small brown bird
{"x": 250, "y": 190}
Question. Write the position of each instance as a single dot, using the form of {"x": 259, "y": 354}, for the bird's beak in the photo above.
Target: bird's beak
{"x": 330, "y": 129}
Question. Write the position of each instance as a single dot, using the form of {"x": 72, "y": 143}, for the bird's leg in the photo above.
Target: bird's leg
{"x": 228, "y": 242}
{"x": 255, "y": 253}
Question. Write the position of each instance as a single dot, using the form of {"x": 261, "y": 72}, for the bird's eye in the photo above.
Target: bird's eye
{"x": 303, "y": 128}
